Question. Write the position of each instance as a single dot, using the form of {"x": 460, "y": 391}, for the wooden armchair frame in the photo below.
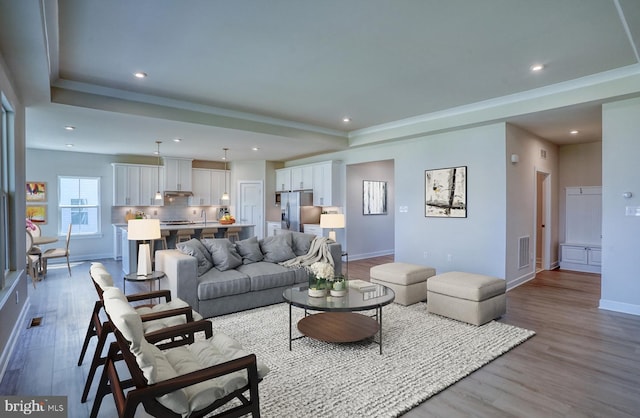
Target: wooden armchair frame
{"x": 145, "y": 394}
{"x": 101, "y": 329}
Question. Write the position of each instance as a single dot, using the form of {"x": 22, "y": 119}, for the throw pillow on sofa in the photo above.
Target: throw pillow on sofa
{"x": 301, "y": 243}
{"x": 277, "y": 248}
{"x": 223, "y": 253}
{"x": 194, "y": 248}
{"x": 249, "y": 249}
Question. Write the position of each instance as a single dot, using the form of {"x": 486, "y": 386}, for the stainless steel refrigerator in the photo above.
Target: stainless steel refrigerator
{"x": 297, "y": 210}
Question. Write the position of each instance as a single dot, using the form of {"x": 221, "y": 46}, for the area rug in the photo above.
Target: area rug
{"x": 422, "y": 355}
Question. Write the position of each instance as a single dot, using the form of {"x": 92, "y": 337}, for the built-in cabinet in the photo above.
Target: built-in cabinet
{"x": 313, "y": 229}
{"x": 207, "y": 187}
{"x": 178, "y": 175}
{"x": 581, "y": 249}
{"x": 319, "y": 177}
{"x": 136, "y": 185}
{"x": 273, "y": 227}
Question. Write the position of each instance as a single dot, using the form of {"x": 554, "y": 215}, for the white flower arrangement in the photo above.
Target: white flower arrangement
{"x": 322, "y": 270}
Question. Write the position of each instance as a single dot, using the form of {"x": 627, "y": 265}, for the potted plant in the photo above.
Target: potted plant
{"x": 319, "y": 275}
{"x": 338, "y": 286}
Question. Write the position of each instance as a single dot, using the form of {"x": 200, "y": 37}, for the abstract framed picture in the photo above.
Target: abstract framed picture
{"x": 36, "y": 191}
{"x": 374, "y": 197}
{"x": 37, "y": 214}
{"x": 446, "y": 192}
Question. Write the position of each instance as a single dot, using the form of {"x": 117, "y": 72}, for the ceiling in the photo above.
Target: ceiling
{"x": 281, "y": 75}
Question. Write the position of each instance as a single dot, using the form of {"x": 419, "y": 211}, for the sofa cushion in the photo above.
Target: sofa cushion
{"x": 265, "y": 275}
{"x": 223, "y": 253}
{"x": 301, "y": 242}
{"x": 277, "y": 248}
{"x": 194, "y": 248}
{"x": 249, "y": 249}
{"x": 215, "y": 283}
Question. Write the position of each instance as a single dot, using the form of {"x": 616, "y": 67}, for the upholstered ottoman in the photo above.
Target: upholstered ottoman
{"x": 408, "y": 281}
{"x": 467, "y": 297}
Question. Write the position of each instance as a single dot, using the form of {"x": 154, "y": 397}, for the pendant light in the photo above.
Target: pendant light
{"x": 225, "y": 195}
{"x": 158, "y": 195}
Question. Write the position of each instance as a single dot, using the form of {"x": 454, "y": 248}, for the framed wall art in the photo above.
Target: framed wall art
{"x": 446, "y": 192}
{"x": 36, "y": 191}
{"x": 37, "y": 214}
{"x": 374, "y": 197}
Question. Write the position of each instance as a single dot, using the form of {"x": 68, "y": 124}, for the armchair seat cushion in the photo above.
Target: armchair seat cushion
{"x": 158, "y": 324}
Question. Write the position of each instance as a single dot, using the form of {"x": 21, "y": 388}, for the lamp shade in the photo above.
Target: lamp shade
{"x": 143, "y": 229}
{"x": 332, "y": 220}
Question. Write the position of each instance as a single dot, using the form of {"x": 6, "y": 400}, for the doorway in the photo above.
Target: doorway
{"x": 251, "y": 204}
{"x": 542, "y": 222}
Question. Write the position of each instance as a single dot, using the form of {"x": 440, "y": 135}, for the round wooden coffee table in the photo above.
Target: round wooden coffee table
{"x": 338, "y": 320}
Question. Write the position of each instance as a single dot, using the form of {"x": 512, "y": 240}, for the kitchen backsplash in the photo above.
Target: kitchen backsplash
{"x": 192, "y": 213}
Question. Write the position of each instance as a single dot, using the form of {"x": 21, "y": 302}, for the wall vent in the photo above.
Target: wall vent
{"x": 523, "y": 252}
{"x": 543, "y": 154}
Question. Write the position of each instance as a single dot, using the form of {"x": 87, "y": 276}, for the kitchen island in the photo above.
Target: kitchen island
{"x": 130, "y": 248}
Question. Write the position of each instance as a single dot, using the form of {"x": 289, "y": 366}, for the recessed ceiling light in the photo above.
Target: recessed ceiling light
{"x": 177, "y": 139}
{"x": 574, "y": 132}
{"x": 70, "y": 128}
{"x": 255, "y": 149}
{"x": 536, "y": 67}
{"x": 346, "y": 119}
{"x": 68, "y": 145}
{"x": 140, "y": 74}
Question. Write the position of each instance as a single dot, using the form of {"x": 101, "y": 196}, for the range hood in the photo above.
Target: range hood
{"x": 177, "y": 193}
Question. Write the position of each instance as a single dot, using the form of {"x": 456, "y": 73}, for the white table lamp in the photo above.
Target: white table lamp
{"x": 332, "y": 221}
{"x": 143, "y": 230}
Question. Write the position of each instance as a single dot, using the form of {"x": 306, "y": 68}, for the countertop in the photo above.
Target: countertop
{"x": 199, "y": 225}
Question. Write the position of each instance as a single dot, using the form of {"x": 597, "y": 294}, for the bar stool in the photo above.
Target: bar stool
{"x": 208, "y": 233}
{"x": 184, "y": 235}
{"x": 164, "y": 233}
{"x": 233, "y": 234}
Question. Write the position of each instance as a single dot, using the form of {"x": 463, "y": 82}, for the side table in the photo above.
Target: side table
{"x": 152, "y": 277}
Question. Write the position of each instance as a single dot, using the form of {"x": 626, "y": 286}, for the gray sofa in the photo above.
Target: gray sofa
{"x": 219, "y": 285}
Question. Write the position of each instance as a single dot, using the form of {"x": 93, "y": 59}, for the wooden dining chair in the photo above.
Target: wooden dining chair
{"x": 57, "y": 253}
{"x": 33, "y": 261}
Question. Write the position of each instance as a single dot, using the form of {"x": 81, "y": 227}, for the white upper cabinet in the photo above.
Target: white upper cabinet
{"x": 326, "y": 184}
{"x": 177, "y": 174}
{"x": 136, "y": 185}
{"x": 208, "y": 187}
{"x": 302, "y": 177}
{"x": 283, "y": 180}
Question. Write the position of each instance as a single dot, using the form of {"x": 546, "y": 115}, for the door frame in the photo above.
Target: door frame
{"x": 546, "y": 209}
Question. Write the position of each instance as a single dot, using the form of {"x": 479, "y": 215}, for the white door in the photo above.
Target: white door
{"x": 251, "y": 204}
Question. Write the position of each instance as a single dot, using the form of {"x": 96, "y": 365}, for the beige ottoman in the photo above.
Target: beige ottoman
{"x": 408, "y": 281}
{"x": 467, "y": 297}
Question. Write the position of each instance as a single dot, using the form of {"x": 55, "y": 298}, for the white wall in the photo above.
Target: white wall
{"x": 620, "y": 233}
{"x": 42, "y": 165}
{"x": 475, "y": 243}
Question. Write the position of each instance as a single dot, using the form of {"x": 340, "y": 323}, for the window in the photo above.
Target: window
{"x": 6, "y": 145}
{"x": 79, "y": 205}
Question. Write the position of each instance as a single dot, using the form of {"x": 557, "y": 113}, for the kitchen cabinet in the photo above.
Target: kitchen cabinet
{"x": 313, "y": 229}
{"x": 117, "y": 242}
{"x": 326, "y": 184}
{"x": 273, "y": 227}
{"x": 302, "y": 177}
{"x": 283, "y": 180}
{"x": 581, "y": 249}
{"x": 207, "y": 186}
{"x": 136, "y": 185}
{"x": 177, "y": 174}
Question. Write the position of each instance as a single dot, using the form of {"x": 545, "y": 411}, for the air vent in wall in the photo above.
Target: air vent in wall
{"x": 543, "y": 154}
{"x": 523, "y": 252}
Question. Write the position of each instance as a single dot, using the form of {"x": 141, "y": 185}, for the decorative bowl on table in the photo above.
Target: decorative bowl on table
{"x": 226, "y": 222}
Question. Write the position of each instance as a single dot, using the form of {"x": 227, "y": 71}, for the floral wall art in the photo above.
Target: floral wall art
{"x": 446, "y": 192}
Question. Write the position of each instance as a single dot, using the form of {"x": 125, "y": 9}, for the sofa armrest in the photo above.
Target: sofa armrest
{"x": 182, "y": 275}
{"x": 336, "y": 253}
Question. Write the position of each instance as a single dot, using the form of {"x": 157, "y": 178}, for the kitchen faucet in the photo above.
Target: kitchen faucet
{"x": 203, "y": 214}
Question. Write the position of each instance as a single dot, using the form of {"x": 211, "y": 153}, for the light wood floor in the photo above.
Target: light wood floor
{"x": 583, "y": 362}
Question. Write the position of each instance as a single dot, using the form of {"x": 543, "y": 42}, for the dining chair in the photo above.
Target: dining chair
{"x": 33, "y": 261}
{"x": 57, "y": 253}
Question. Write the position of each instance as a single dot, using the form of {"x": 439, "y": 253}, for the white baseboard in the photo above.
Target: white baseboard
{"x": 5, "y": 356}
{"x": 354, "y": 257}
{"x": 520, "y": 280}
{"x": 611, "y": 305}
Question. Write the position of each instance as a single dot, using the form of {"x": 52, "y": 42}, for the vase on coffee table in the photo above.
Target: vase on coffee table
{"x": 338, "y": 286}
{"x": 317, "y": 286}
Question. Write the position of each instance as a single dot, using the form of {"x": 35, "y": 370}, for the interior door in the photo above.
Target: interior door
{"x": 251, "y": 206}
